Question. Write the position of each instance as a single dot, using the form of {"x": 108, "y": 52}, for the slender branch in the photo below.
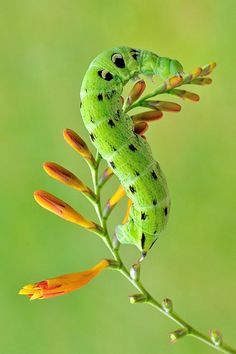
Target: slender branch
{"x": 186, "y": 328}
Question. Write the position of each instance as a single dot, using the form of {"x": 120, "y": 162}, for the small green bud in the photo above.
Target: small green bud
{"x": 137, "y": 298}
{"x": 135, "y": 271}
{"x": 179, "y": 333}
{"x": 115, "y": 243}
{"x": 216, "y": 336}
{"x": 167, "y": 305}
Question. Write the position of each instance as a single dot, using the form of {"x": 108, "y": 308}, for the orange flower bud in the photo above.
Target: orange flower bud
{"x": 186, "y": 95}
{"x": 77, "y": 143}
{"x": 105, "y": 176}
{"x": 126, "y": 217}
{"x": 62, "y": 284}
{"x": 202, "y": 81}
{"x": 147, "y": 116}
{"x": 136, "y": 91}
{"x": 120, "y": 193}
{"x": 60, "y": 208}
{"x": 140, "y": 128}
{"x": 163, "y": 106}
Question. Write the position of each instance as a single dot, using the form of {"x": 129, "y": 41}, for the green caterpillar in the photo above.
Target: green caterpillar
{"x": 128, "y": 154}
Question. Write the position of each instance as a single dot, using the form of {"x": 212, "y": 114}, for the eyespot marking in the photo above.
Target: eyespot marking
{"x": 137, "y": 173}
{"x": 111, "y": 123}
{"x": 106, "y": 75}
{"x": 132, "y": 189}
{"x": 154, "y": 202}
{"x": 143, "y": 239}
{"x": 154, "y": 176}
{"x": 118, "y": 60}
{"x": 132, "y": 147}
{"x": 143, "y": 216}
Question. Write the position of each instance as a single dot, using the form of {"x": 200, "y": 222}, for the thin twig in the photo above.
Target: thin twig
{"x": 147, "y": 297}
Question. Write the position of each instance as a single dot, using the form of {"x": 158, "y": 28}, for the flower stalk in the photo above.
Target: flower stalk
{"x": 63, "y": 284}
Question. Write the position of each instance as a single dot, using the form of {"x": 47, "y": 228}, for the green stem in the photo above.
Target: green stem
{"x": 190, "y": 330}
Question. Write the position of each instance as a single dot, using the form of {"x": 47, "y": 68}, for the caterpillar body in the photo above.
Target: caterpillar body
{"x": 127, "y": 153}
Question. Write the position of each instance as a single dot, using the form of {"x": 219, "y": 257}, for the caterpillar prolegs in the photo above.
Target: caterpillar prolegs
{"x": 112, "y": 132}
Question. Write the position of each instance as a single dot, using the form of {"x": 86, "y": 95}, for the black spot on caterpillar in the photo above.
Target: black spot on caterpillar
{"x": 100, "y": 97}
{"x": 92, "y": 137}
{"x": 165, "y": 211}
{"x": 112, "y": 164}
{"x": 132, "y": 147}
{"x": 132, "y": 189}
{"x": 143, "y": 216}
{"x": 111, "y": 123}
{"x": 154, "y": 202}
{"x": 143, "y": 239}
{"x": 154, "y": 175}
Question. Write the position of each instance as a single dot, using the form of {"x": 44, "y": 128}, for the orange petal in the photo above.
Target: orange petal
{"x": 117, "y": 196}
{"x": 77, "y": 143}
{"x": 126, "y": 217}
{"x": 60, "y": 208}
{"x": 62, "y": 284}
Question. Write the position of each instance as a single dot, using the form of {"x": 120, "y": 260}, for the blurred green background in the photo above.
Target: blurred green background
{"x": 46, "y": 47}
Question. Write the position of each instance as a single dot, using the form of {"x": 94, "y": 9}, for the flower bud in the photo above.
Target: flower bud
{"x": 137, "y": 298}
{"x": 216, "y": 337}
{"x": 147, "y": 116}
{"x": 179, "y": 333}
{"x": 135, "y": 271}
{"x": 115, "y": 243}
{"x": 140, "y": 128}
{"x": 185, "y": 95}
{"x": 78, "y": 144}
{"x": 105, "y": 176}
{"x": 66, "y": 177}
{"x": 163, "y": 106}
{"x": 62, "y": 209}
{"x": 167, "y": 305}
{"x": 111, "y": 203}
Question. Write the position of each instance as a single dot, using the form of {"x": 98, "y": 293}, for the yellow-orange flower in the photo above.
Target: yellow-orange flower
{"x": 62, "y": 284}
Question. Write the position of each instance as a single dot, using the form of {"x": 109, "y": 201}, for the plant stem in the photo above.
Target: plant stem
{"x": 190, "y": 330}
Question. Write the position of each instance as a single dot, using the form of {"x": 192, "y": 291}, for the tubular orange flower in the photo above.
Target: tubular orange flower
{"x": 60, "y": 208}
{"x": 62, "y": 284}
{"x": 78, "y": 144}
